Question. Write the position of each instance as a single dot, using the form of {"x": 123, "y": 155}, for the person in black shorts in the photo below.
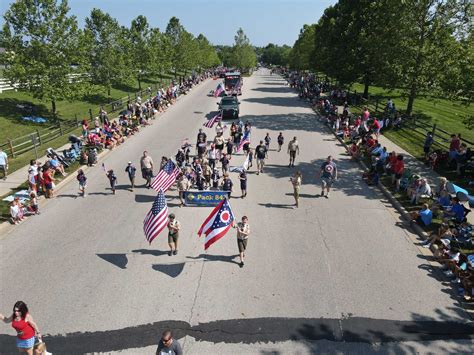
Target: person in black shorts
{"x": 280, "y": 140}
{"x": 243, "y": 182}
{"x": 261, "y": 153}
{"x": 227, "y": 184}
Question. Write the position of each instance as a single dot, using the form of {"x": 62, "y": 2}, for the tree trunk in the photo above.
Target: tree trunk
{"x": 411, "y": 99}
{"x": 53, "y": 107}
{"x": 366, "y": 87}
{"x": 108, "y": 91}
{"x": 139, "y": 82}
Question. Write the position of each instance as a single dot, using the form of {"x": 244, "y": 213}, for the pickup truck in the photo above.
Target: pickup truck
{"x": 229, "y": 107}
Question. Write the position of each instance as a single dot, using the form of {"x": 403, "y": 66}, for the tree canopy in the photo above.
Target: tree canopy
{"x": 422, "y": 47}
{"x": 48, "y": 55}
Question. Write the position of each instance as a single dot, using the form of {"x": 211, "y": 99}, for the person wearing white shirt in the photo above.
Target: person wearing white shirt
{"x": 4, "y": 163}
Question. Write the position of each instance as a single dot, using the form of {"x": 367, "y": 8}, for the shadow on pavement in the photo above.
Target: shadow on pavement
{"x": 282, "y": 89}
{"x": 119, "y": 260}
{"x": 271, "y": 329}
{"x": 292, "y": 121}
{"x": 144, "y": 198}
{"x": 172, "y": 270}
{"x": 154, "y": 252}
{"x": 208, "y": 257}
{"x": 277, "y": 205}
{"x": 278, "y": 101}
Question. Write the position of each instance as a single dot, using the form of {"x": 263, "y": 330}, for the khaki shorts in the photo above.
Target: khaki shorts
{"x": 173, "y": 238}
{"x": 242, "y": 244}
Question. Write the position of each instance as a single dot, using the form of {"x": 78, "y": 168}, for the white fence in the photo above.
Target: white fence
{"x": 5, "y": 85}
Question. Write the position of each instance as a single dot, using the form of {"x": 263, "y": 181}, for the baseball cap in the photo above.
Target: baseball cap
{"x": 171, "y": 215}
{"x": 129, "y": 162}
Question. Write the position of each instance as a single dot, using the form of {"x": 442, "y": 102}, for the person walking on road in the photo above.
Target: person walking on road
{"x": 82, "y": 179}
{"x": 261, "y": 153}
{"x": 243, "y": 232}
{"x": 183, "y": 185}
{"x": 112, "y": 180}
{"x": 25, "y": 326}
{"x": 293, "y": 149}
{"x": 167, "y": 345}
{"x": 146, "y": 165}
{"x": 4, "y": 163}
{"x": 280, "y": 140}
{"x": 227, "y": 184}
{"x": 173, "y": 234}
{"x": 243, "y": 182}
{"x": 328, "y": 175}
{"x": 268, "y": 140}
{"x": 131, "y": 171}
{"x": 296, "y": 181}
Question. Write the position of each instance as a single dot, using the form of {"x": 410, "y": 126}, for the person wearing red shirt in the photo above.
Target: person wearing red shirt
{"x": 454, "y": 146}
{"x": 398, "y": 169}
{"x": 376, "y": 127}
{"x": 25, "y": 327}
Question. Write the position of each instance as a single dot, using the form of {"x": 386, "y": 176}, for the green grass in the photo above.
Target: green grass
{"x": 447, "y": 115}
{"x": 12, "y": 127}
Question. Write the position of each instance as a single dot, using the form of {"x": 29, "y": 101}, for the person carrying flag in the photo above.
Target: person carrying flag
{"x": 173, "y": 234}
{"x": 243, "y": 232}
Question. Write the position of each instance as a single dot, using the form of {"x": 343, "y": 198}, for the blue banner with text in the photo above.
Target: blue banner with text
{"x": 204, "y": 198}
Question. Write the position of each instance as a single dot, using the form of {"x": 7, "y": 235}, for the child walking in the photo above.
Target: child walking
{"x": 81, "y": 177}
{"x": 112, "y": 179}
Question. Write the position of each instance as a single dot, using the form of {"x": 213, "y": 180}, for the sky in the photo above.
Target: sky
{"x": 263, "y": 21}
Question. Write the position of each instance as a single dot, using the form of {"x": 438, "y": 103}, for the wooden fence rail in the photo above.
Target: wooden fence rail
{"x": 33, "y": 140}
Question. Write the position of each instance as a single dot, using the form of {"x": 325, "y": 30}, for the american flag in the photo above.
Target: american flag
{"x": 157, "y": 218}
{"x": 166, "y": 177}
{"x": 245, "y": 139}
{"x": 219, "y": 90}
{"x": 210, "y": 123}
{"x": 217, "y": 224}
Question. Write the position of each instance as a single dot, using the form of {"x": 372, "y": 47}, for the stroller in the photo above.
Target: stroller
{"x": 52, "y": 153}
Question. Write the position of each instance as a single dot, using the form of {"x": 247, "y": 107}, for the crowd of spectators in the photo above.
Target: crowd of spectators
{"x": 101, "y": 133}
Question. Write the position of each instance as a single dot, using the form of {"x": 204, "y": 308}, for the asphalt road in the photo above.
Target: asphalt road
{"x": 337, "y": 269}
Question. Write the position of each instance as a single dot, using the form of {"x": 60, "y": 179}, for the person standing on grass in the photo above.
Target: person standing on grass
{"x": 167, "y": 345}
{"x": 429, "y": 140}
{"x": 26, "y": 328}
{"x": 328, "y": 175}
{"x": 4, "y": 163}
{"x": 173, "y": 234}
{"x": 243, "y": 232}
{"x": 296, "y": 181}
{"x": 293, "y": 149}
{"x": 281, "y": 141}
{"x": 112, "y": 180}
{"x": 146, "y": 165}
{"x": 82, "y": 179}
{"x": 131, "y": 171}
